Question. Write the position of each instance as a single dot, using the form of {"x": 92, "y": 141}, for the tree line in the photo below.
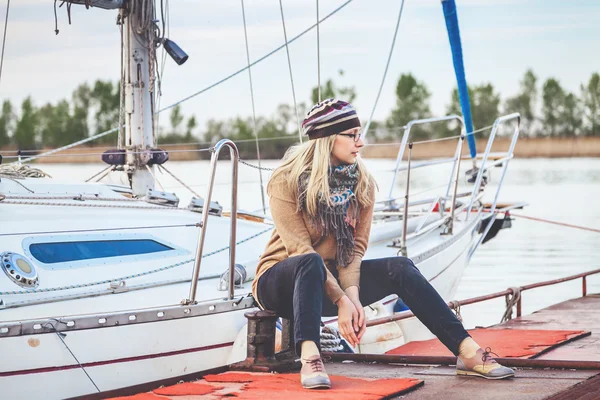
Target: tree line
{"x": 547, "y": 110}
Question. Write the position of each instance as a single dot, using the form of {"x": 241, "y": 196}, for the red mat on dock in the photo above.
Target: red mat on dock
{"x": 247, "y": 386}
{"x": 518, "y": 343}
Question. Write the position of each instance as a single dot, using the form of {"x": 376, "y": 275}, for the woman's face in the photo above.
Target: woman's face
{"x": 346, "y": 147}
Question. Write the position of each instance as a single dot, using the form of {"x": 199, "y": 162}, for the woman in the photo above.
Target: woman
{"x": 322, "y": 201}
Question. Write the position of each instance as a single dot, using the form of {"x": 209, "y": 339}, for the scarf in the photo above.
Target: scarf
{"x": 340, "y": 218}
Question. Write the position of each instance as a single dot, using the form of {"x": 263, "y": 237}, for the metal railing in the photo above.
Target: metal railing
{"x": 484, "y": 167}
{"x": 454, "y": 176}
{"x": 404, "y": 142}
{"x": 233, "y": 151}
{"x": 455, "y": 304}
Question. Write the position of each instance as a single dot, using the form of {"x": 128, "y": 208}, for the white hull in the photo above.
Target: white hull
{"x": 115, "y": 357}
{"x": 122, "y": 356}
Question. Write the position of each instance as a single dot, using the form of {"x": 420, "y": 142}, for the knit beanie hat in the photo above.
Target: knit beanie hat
{"x": 329, "y": 117}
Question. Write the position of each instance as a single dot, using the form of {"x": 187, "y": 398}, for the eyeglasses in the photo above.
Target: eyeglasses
{"x": 355, "y": 136}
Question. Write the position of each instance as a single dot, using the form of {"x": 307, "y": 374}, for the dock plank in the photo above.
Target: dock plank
{"x": 581, "y": 313}
{"x": 441, "y": 382}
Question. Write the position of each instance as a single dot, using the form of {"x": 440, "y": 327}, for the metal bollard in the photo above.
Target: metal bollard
{"x": 261, "y": 336}
{"x": 260, "y": 352}
{"x": 287, "y": 336}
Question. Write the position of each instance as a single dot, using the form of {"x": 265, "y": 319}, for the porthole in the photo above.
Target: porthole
{"x": 19, "y": 269}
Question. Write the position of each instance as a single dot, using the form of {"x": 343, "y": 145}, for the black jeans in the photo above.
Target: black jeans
{"x": 293, "y": 288}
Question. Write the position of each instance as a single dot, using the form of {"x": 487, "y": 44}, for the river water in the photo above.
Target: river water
{"x": 562, "y": 190}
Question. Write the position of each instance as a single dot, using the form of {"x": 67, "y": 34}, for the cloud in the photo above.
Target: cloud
{"x": 357, "y": 40}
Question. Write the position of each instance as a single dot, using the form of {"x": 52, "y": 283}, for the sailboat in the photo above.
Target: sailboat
{"x": 106, "y": 286}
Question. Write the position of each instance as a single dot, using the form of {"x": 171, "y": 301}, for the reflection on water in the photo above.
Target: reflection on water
{"x": 563, "y": 190}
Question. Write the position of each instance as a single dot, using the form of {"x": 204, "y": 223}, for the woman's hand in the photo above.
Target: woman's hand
{"x": 347, "y": 317}
{"x": 359, "y": 324}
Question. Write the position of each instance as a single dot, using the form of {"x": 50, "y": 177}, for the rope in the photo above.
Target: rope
{"x": 100, "y": 230}
{"x": 43, "y": 203}
{"x": 287, "y": 50}
{"x": 22, "y": 171}
{"x": 366, "y": 130}
{"x": 257, "y": 61}
{"x": 455, "y": 305}
{"x": 318, "y": 56}
{"x": 79, "y": 197}
{"x": 179, "y": 180}
{"x": 262, "y": 189}
{"x": 145, "y": 273}
{"x": 141, "y": 13}
{"x": 584, "y": 228}
{"x": 511, "y": 301}
{"x": 330, "y": 339}
{"x": 4, "y": 38}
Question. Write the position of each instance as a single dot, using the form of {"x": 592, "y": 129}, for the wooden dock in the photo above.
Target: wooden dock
{"x": 441, "y": 382}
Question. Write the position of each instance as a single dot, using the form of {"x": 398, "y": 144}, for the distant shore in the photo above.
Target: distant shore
{"x": 525, "y": 148}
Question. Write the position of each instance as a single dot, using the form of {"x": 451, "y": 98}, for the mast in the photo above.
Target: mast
{"x": 139, "y": 42}
{"x": 138, "y": 77}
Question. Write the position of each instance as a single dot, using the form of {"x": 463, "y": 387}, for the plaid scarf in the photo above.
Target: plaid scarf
{"x": 340, "y": 218}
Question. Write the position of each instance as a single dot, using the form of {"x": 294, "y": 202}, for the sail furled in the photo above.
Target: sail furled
{"x": 451, "y": 17}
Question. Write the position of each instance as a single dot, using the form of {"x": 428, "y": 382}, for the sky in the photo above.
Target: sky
{"x": 501, "y": 40}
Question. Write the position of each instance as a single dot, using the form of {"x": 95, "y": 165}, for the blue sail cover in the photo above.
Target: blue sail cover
{"x": 451, "y": 17}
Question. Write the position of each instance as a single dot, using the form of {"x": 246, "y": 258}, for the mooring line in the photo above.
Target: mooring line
{"x": 585, "y": 228}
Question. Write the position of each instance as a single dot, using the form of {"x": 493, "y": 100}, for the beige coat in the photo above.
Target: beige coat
{"x": 295, "y": 235}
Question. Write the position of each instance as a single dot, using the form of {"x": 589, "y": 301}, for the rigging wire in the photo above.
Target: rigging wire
{"x": 318, "y": 56}
{"x": 120, "y": 135}
{"x": 287, "y": 50}
{"x": 166, "y": 30}
{"x": 61, "y": 336}
{"x": 366, "y": 130}
{"x": 262, "y": 190}
{"x": 4, "y": 38}
{"x": 207, "y": 88}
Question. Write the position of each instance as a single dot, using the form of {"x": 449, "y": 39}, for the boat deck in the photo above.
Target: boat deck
{"x": 440, "y": 381}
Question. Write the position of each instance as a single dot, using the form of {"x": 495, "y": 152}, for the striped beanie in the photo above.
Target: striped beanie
{"x": 329, "y": 117}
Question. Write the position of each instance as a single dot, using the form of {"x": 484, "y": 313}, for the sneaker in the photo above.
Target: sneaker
{"x": 483, "y": 364}
{"x": 313, "y": 375}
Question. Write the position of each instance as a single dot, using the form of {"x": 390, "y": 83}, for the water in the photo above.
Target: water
{"x": 563, "y": 190}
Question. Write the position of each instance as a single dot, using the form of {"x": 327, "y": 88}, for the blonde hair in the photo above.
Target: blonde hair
{"x": 314, "y": 157}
